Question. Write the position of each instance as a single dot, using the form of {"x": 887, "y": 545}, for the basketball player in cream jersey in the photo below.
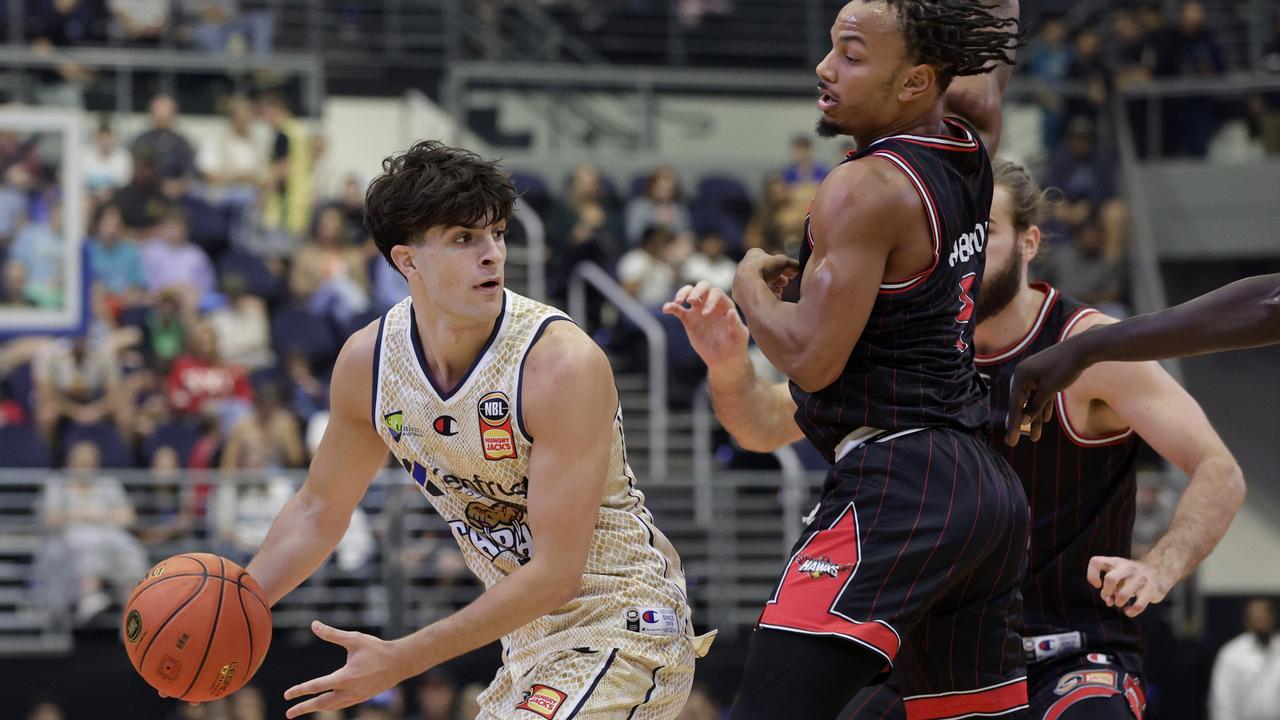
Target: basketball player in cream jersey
{"x": 458, "y": 380}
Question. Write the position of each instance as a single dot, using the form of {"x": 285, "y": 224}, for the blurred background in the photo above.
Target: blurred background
{"x": 183, "y": 252}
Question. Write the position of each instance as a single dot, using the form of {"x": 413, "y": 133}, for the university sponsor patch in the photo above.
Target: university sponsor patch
{"x": 397, "y": 428}
{"x": 543, "y": 701}
{"x": 496, "y": 437}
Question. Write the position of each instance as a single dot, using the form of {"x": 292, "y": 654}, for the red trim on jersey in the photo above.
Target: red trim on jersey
{"x": 1084, "y": 693}
{"x": 1137, "y": 698}
{"x": 939, "y": 142}
{"x": 806, "y": 598}
{"x": 1075, "y": 436}
{"x": 1050, "y": 299}
{"x": 890, "y": 287}
{"x": 991, "y": 701}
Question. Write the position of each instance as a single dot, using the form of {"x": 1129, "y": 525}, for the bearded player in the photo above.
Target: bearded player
{"x": 458, "y": 380}
{"x": 1083, "y": 647}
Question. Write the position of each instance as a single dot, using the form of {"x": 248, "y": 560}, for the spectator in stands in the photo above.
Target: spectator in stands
{"x": 1083, "y": 270}
{"x": 139, "y": 22}
{"x": 326, "y": 184}
{"x": 174, "y": 263}
{"x": 115, "y": 264}
{"x": 1165, "y": 41}
{"x": 330, "y": 271}
{"x": 1133, "y": 58}
{"x": 1086, "y": 178}
{"x": 15, "y": 202}
{"x": 54, "y": 24}
{"x": 435, "y": 695}
{"x": 13, "y": 292}
{"x": 647, "y": 273}
{"x": 200, "y": 382}
{"x": 232, "y": 163}
{"x": 222, "y": 26}
{"x": 710, "y": 263}
{"x": 1050, "y": 56}
{"x": 287, "y": 206}
{"x": 351, "y": 202}
{"x": 582, "y": 227}
{"x": 1265, "y": 109}
{"x": 1246, "y": 673}
{"x": 174, "y": 154}
{"x": 165, "y": 328}
{"x": 142, "y": 204}
{"x": 77, "y": 383}
{"x": 41, "y": 249}
{"x": 307, "y": 394}
{"x": 243, "y": 327}
{"x": 244, "y": 507}
{"x": 1200, "y": 56}
{"x": 207, "y": 225}
{"x": 106, "y": 165}
{"x": 1088, "y": 67}
{"x": 386, "y": 705}
{"x": 270, "y": 430}
{"x": 661, "y": 205}
{"x": 803, "y": 170}
{"x": 89, "y": 516}
{"x": 173, "y": 515}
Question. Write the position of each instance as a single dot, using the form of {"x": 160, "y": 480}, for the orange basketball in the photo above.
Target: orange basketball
{"x": 197, "y": 627}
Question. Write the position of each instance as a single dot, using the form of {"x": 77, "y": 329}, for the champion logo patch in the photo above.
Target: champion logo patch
{"x": 446, "y": 426}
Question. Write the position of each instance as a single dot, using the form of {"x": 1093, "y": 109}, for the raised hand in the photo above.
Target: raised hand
{"x": 711, "y": 320}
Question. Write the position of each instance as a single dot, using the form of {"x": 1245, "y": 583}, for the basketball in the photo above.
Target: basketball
{"x": 197, "y": 627}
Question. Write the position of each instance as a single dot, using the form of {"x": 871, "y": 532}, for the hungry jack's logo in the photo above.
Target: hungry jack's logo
{"x": 542, "y": 700}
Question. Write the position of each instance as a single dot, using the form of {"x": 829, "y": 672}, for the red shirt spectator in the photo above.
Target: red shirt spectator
{"x": 200, "y": 379}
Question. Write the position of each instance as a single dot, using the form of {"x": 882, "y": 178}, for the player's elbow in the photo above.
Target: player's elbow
{"x": 558, "y": 584}
{"x": 815, "y": 374}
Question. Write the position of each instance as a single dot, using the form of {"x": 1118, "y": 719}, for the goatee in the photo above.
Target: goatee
{"x": 827, "y": 129}
{"x": 999, "y": 288}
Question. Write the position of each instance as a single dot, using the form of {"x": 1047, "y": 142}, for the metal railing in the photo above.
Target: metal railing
{"x": 127, "y": 63}
{"x": 588, "y": 273}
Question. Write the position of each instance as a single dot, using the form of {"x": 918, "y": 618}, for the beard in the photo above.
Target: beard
{"x": 1000, "y": 287}
{"x": 827, "y": 128}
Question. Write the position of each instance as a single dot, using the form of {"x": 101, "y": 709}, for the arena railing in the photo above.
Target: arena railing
{"x": 126, "y": 63}
{"x": 589, "y": 273}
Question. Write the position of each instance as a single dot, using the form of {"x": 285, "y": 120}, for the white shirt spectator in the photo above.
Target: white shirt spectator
{"x": 717, "y": 271}
{"x": 105, "y": 172}
{"x": 231, "y": 155}
{"x": 655, "y": 278}
{"x": 1246, "y": 680}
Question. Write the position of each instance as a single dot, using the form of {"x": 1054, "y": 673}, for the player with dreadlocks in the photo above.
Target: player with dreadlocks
{"x": 917, "y": 547}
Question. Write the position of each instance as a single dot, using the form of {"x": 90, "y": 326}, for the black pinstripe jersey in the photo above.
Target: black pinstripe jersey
{"x": 1082, "y": 492}
{"x": 913, "y": 365}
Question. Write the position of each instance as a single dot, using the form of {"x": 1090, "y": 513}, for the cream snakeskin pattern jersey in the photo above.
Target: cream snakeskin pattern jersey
{"x": 468, "y": 451}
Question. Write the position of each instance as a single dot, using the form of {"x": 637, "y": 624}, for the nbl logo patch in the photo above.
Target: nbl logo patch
{"x": 497, "y": 439}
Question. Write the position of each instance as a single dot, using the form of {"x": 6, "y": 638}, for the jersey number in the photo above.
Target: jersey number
{"x": 966, "y": 308}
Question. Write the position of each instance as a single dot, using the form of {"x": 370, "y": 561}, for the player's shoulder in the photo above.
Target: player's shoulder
{"x": 563, "y": 350}
{"x": 1084, "y": 319}
{"x": 871, "y": 184}
{"x": 352, "y": 381}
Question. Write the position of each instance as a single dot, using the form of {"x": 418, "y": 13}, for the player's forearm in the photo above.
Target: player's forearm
{"x": 1202, "y": 517}
{"x": 753, "y": 411}
{"x": 783, "y": 334}
{"x": 529, "y": 593}
{"x": 1244, "y": 314}
{"x": 302, "y": 536}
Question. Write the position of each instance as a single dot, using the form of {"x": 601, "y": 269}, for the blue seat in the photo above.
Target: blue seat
{"x": 727, "y": 194}
{"x": 181, "y": 435}
{"x": 534, "y": 190}
{"x": 257, "y": 277}
{"x": 21, "y": 447}
{"x": 296, "y": 329}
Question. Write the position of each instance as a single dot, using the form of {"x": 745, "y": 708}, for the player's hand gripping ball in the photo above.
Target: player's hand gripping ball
{"x": 197, "y": 627}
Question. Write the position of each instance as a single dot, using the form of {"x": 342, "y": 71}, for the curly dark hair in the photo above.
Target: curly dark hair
{"x": 957, "y": 37}
{"x": 433, "y": 185}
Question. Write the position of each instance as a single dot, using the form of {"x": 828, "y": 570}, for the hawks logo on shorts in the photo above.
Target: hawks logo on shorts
{"x": 495, "y": 427}
{"x": 543, "y": 700}
{"x": 817, "y": 567}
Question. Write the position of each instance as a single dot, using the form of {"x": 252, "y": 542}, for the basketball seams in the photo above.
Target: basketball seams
{"x": 195, "y": 594}
{"x": 213, "y": 630}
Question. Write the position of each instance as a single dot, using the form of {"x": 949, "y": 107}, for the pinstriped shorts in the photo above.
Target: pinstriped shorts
{"x": 592, "y": 684}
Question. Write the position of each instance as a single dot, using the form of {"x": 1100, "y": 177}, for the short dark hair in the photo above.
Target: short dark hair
{"x": 957, "y": 37}
{"x": 433, "y": 185}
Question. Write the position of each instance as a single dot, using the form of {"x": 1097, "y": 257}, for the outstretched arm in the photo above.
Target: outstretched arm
{"x": 1146, "y": 398}
{"x": 759, "y": 415}
{"x": 1244, "y": 314}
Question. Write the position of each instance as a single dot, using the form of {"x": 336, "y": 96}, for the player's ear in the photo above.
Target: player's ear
{"x": 402, "y": 258}
{"x": 1030, "y": 241}
{"x": 919, "y": 80}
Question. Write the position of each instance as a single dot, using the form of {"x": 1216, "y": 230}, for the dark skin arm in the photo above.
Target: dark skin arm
{"x": 1244, "y": 314}
{"x": 978, "y": 98}
{"x": 864, "y": 221}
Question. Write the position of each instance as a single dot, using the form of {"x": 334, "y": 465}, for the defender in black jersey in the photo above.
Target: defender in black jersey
{"x": 1082, "y": 645}
{"x": 918, "y": 546}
